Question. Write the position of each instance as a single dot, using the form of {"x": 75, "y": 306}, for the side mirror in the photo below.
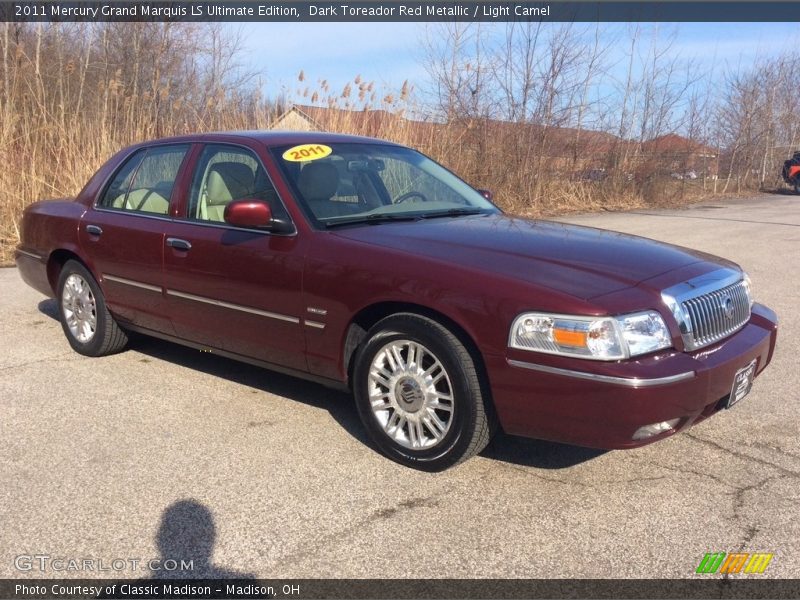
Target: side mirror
{"x": 486, "y": 194}
{"x": 254, "y": 214}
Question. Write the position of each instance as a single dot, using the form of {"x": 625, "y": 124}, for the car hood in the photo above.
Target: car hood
{"x": 580, "y": 261}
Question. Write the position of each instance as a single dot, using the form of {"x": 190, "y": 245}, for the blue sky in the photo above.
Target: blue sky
{"x": 389, "y": 53}
{"x": 380, "y": 52}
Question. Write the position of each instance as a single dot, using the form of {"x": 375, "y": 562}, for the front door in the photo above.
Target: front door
{"x": 230, "y": 288}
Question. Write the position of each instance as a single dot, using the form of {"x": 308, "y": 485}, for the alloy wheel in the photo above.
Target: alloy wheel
{"x": 410, "y": 394}
{"x": 80, "y": 308}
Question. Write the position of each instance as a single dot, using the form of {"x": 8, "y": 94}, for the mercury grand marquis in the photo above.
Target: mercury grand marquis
{"x": 365, "y": 265}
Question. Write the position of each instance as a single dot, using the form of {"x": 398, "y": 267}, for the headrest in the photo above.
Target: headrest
{"x": 318, "y": 181}
{"x": 229, "y": 181}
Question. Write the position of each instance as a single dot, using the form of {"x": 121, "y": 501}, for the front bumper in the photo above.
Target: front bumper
{"x": 602, "y": 405}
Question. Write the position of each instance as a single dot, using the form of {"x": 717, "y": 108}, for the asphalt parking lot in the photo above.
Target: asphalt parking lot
{"x": 166, "y": 452}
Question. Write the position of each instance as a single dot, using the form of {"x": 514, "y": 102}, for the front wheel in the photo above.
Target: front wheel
{"x": 419, "y": 395}
{"x": 89, "y": 327}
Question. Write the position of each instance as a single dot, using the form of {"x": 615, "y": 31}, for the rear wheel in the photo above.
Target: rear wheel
{"x": 89, "y": 327}
{"x": 419, "y": 395}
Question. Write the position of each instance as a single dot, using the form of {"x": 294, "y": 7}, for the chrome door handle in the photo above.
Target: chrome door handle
{"x": 178, "y": 244}
{"x": 93, "y": 230}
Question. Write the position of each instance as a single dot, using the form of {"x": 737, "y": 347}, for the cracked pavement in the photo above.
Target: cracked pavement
{"x": 94, "y": 451}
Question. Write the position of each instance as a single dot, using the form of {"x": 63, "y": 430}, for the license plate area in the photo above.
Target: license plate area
{"x": 742, "y": 383}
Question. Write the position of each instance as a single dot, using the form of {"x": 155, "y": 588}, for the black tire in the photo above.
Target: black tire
{"x": 107, "y": 336}
{"x": 797, "y": 186}
{"x": 468, "y": 418}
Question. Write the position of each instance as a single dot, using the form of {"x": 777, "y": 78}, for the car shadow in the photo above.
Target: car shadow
{"x": 49, "y": 308}
{"x": 539, "y": 454}
{"x": 503, "y": 447}
{"x": 339, "y": 404}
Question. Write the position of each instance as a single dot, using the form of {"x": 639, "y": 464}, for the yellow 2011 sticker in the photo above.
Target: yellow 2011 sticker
{"x": 306, "y": 152}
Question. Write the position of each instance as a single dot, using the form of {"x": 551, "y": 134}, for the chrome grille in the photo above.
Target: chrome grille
{"x": 709, "y": 307}
{"x": 717, "y": 314}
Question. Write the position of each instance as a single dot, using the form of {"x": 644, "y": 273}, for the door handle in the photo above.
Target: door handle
{"x": 179, "y": 244}
{"x": 93, "y": 230}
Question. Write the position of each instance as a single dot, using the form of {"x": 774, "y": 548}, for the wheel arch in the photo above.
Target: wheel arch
{"x": 368, "y": 316}
{"x": 56, "y": 261}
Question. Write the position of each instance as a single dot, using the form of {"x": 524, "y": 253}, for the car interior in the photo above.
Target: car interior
{"x": 318, "y": 183}
{"x": 151, "y": 200}
{"x": 229, "y": 180}
{"x": 331, "y": 189}
{"x": 225, "y": 181}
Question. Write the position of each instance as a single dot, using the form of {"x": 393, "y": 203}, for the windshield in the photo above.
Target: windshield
{"x": 339, "y": 184}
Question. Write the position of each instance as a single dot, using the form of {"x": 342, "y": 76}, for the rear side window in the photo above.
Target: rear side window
{"x": 144, "y": 183}
{"x": 118, "y": 188}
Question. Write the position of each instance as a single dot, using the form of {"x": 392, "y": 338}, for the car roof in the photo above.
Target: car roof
{"x": 271, "y": 138}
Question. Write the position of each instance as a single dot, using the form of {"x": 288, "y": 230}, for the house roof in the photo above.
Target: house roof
{"x": 334, "y": 118}
{"x": 673, "y": 143}
{"x": 369, "y": 122}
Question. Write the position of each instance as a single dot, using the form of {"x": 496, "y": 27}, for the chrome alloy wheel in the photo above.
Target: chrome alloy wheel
{"x": 80, "y": 308}
{"x": 410, "y": 394}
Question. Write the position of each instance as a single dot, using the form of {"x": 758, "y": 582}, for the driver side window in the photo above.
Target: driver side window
{"x": 227, "y": 173}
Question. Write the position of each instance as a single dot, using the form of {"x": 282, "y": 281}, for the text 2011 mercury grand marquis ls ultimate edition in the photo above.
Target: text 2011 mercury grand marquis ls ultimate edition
{"x": 363, "y": 264}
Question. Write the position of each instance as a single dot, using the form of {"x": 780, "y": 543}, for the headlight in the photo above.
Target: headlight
{"x": 595, "y": 338}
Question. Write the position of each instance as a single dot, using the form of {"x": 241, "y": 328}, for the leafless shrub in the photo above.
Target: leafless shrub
{"x": 534, "y": 112}
{"x": 72, "y": 94}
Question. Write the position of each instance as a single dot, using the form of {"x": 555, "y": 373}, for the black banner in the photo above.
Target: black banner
{"x": 711, "y": 587}
{"x": 432, "y": 11}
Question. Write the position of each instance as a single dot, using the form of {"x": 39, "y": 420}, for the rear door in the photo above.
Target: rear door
{"x": 123, "y": 234}
{"x": 230, "y": 288}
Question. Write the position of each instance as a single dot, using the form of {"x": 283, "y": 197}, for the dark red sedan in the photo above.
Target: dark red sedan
{"x": 365, "y": 265}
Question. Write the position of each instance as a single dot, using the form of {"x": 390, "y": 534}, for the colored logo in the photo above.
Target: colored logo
{"x": 735, "y": 562}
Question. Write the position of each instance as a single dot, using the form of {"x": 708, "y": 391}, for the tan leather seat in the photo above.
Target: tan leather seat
{"x": 144, "y": 200}
{"x": 226, "y": 181}
{"x": 148, "y": 201}
{"x": 318, "y": 182}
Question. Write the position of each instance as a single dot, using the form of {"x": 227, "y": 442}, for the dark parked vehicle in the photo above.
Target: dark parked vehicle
{"x": 363, "y": 264}
{"x": 791, "y": 172}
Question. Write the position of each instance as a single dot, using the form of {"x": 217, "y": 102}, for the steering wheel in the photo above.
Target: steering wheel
{"x": 409, "y": 195}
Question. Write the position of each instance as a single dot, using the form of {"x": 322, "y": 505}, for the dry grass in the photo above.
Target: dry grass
{"x": 529, "y": 183}
{"x": 72, "y": 95}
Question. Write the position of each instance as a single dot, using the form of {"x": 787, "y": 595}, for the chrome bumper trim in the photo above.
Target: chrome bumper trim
{"x": 315, "y": 324}
{"x": 632, "y": 382}
{"x": 132, "y": 283}
{"x": 239, "y": 307}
